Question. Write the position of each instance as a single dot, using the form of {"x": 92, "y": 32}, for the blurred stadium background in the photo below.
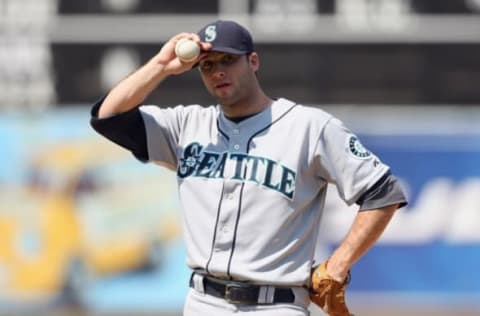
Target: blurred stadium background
{"x": 403, "y": 74}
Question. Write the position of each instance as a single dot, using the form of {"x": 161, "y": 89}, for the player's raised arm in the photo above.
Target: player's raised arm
{"x": 131, "y": 91}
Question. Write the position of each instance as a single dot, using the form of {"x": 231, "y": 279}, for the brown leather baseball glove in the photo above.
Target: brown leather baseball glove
{"x": 327, "y": 293}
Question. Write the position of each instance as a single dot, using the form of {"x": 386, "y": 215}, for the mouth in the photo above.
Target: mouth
{"x": 222, "y": 85}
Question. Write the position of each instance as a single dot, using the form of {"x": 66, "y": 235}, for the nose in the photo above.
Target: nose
{"x": 218, "y": 73}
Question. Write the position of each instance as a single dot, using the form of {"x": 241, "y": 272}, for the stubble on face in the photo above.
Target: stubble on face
{"x": 233, "y": 86}
{"x": 238, "y": 100}
{"x": 239, "y": 85}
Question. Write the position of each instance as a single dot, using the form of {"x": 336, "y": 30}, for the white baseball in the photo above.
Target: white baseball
{"x": 187, "y": 50}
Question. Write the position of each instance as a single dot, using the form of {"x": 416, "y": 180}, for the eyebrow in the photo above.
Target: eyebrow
{"x": 215, "y": 56}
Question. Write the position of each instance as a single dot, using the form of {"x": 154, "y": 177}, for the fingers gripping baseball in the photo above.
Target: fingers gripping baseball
{"x": 187, "y": 50}
{"x": 181, "y": 52}
{"x": 328, "y": 293}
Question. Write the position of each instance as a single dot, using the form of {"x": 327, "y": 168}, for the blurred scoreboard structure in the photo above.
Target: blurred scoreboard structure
{"x": 251, "y": 6}
{"x": 313, "y": 51}
{"x": 138, "y": 6}
{"x": 446, "y": 7}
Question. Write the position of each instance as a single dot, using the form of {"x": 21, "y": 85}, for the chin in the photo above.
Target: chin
{"x": 228, "y": 102}
{"x": 224, "y": 100}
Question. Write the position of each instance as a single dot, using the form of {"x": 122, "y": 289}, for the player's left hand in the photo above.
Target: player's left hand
{"x": 328, "y": 293}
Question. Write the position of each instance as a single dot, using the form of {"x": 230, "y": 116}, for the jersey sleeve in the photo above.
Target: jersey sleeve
{"x": 126, "y": 129}
{"x": 163, "y": 128}
{"x": 149, "y": 132}
{"x": 386, "y": 191}
{"x": 345, "y": 162}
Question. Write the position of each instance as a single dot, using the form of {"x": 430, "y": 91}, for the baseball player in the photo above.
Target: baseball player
{"x": 252, "y": 175}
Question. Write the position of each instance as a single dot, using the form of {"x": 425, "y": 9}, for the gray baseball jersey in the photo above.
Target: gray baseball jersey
{"x": 253, "y": 192}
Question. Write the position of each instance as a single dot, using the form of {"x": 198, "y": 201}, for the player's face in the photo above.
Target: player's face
{"x": 229, "y": 78}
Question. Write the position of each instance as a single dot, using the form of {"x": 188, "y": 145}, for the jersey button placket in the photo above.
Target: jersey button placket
{"x": 235, "y": 139}
{"x": 224, "y": 229}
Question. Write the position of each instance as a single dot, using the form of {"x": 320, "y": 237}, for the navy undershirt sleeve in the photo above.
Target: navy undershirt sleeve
{"x": 125, "y": 129}
{"x": 384, "y": 192}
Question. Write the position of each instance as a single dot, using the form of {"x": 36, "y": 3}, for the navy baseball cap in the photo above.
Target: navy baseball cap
{"x": 227, "y": 37}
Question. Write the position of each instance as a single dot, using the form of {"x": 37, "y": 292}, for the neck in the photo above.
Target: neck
{"x": 247, "y": 106}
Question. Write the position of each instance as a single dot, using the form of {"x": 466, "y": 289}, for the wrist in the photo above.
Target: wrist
{"x": 337, "y": 271}
{"x": 157, "y": 64}
{"x": 155, "y": 71}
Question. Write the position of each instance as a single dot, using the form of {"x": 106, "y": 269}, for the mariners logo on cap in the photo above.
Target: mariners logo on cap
{"x": 210, "y": 33}
{"x": 357, "y": 149}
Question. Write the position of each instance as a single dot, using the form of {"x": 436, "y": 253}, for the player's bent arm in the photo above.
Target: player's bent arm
{"x": 377, "y": 206}
{"x": 364, "y": 232}
{"x": 133, "y": 90}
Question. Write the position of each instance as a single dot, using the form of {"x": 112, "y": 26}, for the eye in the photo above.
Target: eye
{"x": 228, "y": 59}
{"x": 206, "y": 65}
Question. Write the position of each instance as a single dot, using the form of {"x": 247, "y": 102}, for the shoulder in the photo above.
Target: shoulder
{"x": 303, "y": 113}
{"x": 185, "y": 111}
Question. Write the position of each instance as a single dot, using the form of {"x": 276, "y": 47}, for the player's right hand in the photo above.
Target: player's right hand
{"x": 172, "y": 64}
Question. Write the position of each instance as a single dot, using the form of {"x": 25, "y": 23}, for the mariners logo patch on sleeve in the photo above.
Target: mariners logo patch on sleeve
{"x": 357, "y": 149}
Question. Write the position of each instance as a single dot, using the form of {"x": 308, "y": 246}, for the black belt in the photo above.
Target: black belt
{"x": 242, "y": 293}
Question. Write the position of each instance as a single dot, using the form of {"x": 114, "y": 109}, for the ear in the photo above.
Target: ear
{"x": 254, "y": 61}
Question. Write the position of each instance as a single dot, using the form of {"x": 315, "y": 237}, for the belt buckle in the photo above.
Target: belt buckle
{"x": 238, "y": 294}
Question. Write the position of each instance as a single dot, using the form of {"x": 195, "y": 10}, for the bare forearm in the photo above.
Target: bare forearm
{"x": 365, "y": 231}
{"x": 131, "y": 91}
